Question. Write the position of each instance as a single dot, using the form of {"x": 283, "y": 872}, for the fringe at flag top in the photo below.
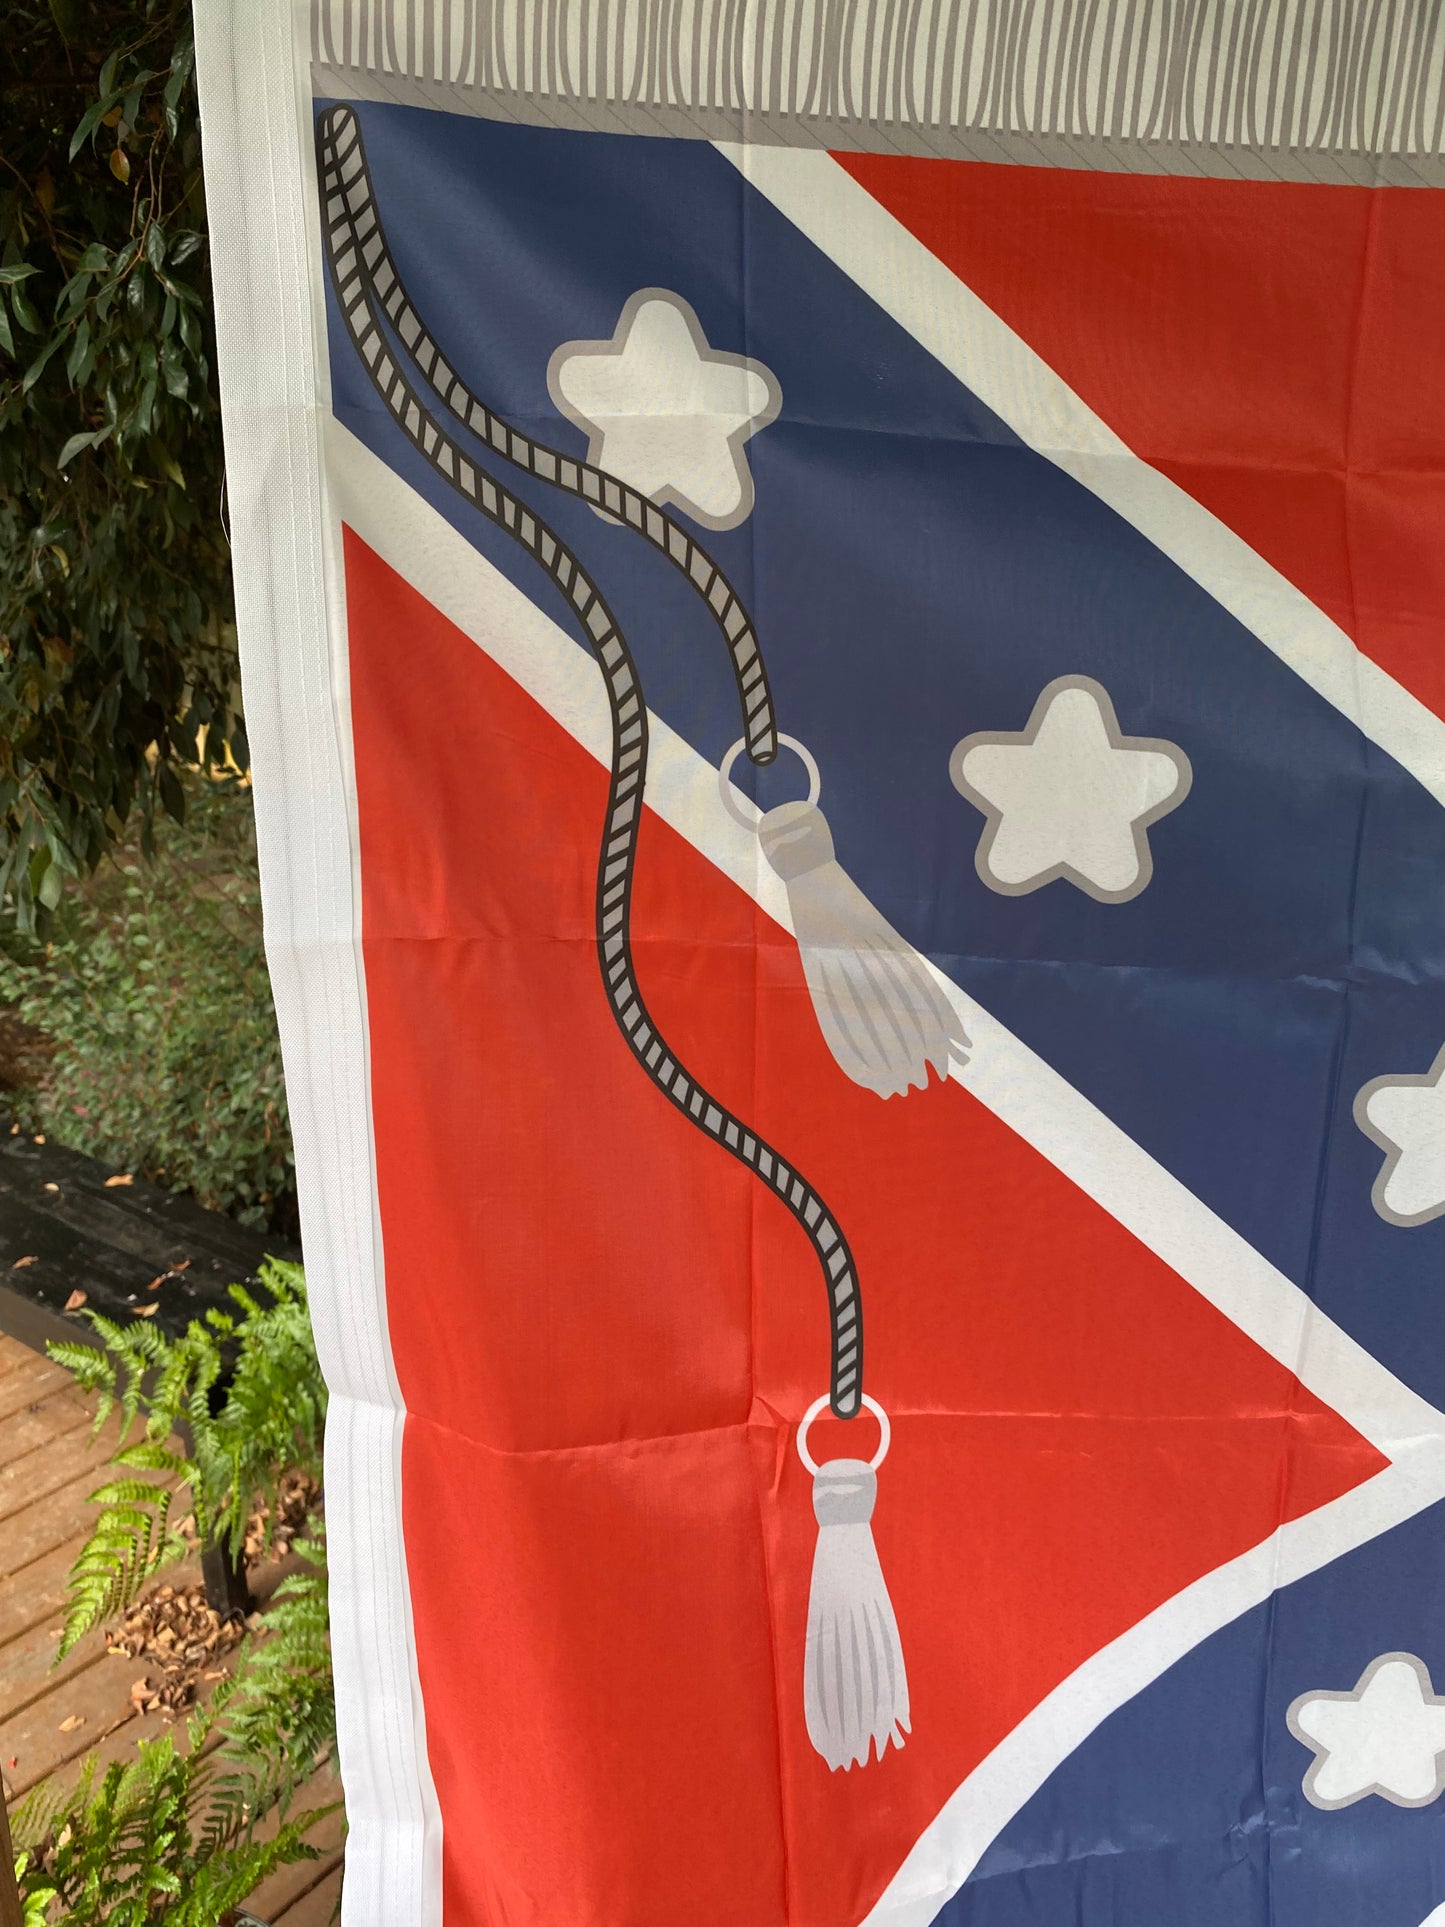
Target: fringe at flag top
{"x": 842, "y": 608}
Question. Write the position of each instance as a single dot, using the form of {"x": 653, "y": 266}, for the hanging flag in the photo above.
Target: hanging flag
{"x": 843, "y": 624}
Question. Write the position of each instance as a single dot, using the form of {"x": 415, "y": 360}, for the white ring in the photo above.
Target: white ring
{"x": 885, "y": 1433}
{"x": 724, "y": 775}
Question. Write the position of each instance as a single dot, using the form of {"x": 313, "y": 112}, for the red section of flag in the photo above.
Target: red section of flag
{"x": 1272, "y": 347}
{"x": 605, "y": 1332}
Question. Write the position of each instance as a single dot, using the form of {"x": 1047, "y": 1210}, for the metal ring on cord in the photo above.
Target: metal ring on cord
{"x": 885, "y": 1432}
{"x": 725, "y": 769}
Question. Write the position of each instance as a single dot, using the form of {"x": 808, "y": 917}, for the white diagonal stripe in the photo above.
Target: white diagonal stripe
{"x": 961, "y": 332}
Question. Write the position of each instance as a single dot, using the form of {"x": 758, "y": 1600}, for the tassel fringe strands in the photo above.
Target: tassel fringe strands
{"x": 1297, "y": 89}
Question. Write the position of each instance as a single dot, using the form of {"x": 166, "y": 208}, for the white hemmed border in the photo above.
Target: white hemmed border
{"x": 1049, "y": 1114}
{"x": 253, "y": 69}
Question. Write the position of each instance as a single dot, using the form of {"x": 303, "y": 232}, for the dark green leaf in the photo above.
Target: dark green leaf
{"x": 24, "y": 313}
{"x": 86, "y": 127}
{"x": 74, "y": 446}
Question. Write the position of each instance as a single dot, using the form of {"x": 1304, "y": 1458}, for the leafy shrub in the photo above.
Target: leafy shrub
{"x": 116, "y": 648}
{"x": 281, "y": 1717}
{"x": 172, "y": 1839}
{"x": 153, "y": 989}
{"x": 156, "y": 1844}
{"x": 270, "y": 1423}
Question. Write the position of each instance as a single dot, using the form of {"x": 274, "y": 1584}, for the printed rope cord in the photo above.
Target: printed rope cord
{"x": 883, "y": 1017}
{"x": 363, "y": 277}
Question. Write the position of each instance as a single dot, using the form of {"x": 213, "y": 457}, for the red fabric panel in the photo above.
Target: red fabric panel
{"x": 1273, "y": 348}
{"x": 605, "y": 1331}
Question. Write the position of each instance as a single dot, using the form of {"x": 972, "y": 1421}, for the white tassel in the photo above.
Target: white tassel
{"x": 855, "y": 1689}
{"x": 883, "y": 1014}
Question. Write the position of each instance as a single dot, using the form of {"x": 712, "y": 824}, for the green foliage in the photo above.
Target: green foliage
{"x": 116, "y": 652}
{"x": 183, "y": 1835}
{"x": 153, "y": 988}
{"x": 281, "y": 1715}
{"x": 35, "y": 1896}
{"x": 270, "y": 1422}
{"x": 151, "y": 1844}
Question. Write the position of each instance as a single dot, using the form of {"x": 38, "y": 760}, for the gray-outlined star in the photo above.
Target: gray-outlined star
{"x": 1387, "y": 1737}
{"x": 666, "y": 412}
{"x": 1405, "y": 1116}
{"x": 1069, "y": 795}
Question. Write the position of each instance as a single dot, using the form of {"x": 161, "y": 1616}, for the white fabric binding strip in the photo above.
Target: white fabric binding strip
{"x": 1019, "y": 1087}
{"x": 253, "y": 63}
{"x": 967, "y": 338}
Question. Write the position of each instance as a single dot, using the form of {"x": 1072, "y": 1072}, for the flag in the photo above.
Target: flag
{"x": 843, "y": 621}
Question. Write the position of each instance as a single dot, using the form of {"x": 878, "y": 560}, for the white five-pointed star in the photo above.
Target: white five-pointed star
{"x": 664, "y": 411}
{"x": 1386, "y": 1737}
{"x": 1069, "y": 795}
{"x": 1405, "y": 1116}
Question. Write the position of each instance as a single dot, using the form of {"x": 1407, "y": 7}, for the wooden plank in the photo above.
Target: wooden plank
{"x": 30, "y": 1472}
{"x": 317, "y": 1908}
{"x": 33, "y": 1743}
{"x": 112, "y": 1240}
{"x": 41, "y": 1425}
{"x": 50, "y": 1522}
{"x": 28, "y": 1669}
{"x": 36, "y": 1595}
{"x": 289, "y": 1884}
{"x": 27, "y": 1663}
{"x": 33, "y": 1379}
{"x": 36, "y": 1327}
{"x": 119, "y": 1744}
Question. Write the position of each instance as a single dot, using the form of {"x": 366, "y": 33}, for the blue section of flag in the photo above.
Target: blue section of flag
{"x": 916, "y": 575}
{"x": 1170, "y": 1815}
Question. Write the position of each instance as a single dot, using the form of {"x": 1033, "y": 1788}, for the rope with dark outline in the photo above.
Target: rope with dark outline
{"x": 365, "y": 281}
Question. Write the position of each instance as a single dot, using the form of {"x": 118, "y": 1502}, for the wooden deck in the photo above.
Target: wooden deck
{"x": 52, "y": 1718}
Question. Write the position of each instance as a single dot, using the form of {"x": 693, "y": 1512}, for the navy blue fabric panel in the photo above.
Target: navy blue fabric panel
{"x": 1185, "y": 1808}
{"x": 917, "y": 574}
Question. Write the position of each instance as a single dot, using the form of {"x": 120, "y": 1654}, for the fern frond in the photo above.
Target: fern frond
{"x": 129, "y": 1542}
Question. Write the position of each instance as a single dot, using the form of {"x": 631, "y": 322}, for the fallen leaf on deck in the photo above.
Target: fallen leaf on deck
{"x": 156, "y": 1283}
{"x": 21, "y": 1263}
{"x": 52, "y": 1187}
{"x": 40, "y": 1138}
{"x": 71, "y": 1722}
{"x": 111, "y": 1183}
{"x": 76, "y": 1300}
{"x": 146, "y": 1311}
{"x": 177, "y": 1632}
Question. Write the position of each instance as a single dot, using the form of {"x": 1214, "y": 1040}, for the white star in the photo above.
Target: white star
{"x": 1405, "y": 1116}
{"x": 1069, "y": 796}
{"x": 1386, "y": 1737}
{"x": 665, "y": 412}
{"x": 1437, "y": 1919}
